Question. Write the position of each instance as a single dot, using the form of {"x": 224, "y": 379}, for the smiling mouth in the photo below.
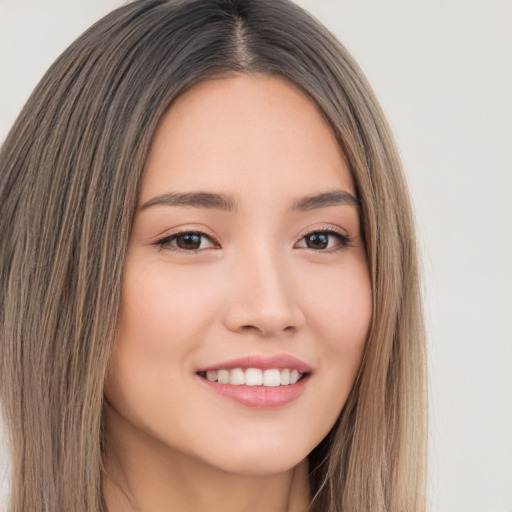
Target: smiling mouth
{"x": 272, "y": 377}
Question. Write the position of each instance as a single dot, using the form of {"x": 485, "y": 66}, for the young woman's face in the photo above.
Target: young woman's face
{"x": 245, "y": 264}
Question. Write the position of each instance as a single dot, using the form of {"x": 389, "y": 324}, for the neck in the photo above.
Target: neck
{"x": 142, "y": 477}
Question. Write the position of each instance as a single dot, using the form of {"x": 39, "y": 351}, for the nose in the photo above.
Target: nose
{"x": 263, "y": 298}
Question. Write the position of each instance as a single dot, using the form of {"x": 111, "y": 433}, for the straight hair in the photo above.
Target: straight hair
{"x": 70, "y": 174}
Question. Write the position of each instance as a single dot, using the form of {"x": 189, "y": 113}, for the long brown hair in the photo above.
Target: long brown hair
{"x": 70, "y": 172}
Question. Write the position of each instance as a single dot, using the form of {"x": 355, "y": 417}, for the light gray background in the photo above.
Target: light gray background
{"x": 442, "y": 70}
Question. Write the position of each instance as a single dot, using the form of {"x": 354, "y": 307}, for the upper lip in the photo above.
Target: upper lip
{"x": 279, "y": 361}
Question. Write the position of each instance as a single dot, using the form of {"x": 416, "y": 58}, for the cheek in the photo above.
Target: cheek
{"x": 162, "y": 311}
{"x": 340, "y": 309}
{"x": 162, "y": 322}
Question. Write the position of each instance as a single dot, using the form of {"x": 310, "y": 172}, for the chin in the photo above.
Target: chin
{"x": 257, "y": 458}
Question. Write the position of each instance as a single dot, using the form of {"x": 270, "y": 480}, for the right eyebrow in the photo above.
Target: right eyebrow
{"x": 193, "y": 200}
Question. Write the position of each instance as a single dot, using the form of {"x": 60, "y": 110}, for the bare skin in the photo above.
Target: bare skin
{"x": 246, "y": 246}
{"x": 173, "y": 482}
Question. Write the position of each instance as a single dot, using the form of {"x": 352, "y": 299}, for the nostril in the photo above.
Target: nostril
{"x": 265, "y": 333}
{"x": 262, "y": 318}
{"x": 248, "y": 328}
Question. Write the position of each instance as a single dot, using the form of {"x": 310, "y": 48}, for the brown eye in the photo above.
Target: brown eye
{"x": 322, "y": 240}
{"x": 317, "y": 241}
{"x": 186, "y": 241}
{"x": 191, "y": 241}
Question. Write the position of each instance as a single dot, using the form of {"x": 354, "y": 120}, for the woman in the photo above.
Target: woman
{"x": 209, "y": 281}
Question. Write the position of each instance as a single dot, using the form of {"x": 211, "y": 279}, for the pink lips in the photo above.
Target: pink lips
{"x": 260, "y": 396}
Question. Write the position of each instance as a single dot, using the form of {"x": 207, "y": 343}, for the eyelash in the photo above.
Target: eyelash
{"x": 165, "y": 242}
{"x": 343, "y": 241}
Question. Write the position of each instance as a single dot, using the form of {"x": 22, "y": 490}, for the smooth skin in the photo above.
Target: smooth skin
{"x": 253, "y": 274}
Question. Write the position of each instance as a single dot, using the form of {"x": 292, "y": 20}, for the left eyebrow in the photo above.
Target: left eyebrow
{"x": 326, "y": 199}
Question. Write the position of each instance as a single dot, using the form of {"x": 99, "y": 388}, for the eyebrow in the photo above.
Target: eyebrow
{"x": 193, "y": 200}
{"x": 224, "y": 202}
{"x": 326, "y": 199}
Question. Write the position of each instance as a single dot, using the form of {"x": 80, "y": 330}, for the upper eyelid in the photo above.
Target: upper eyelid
{"x": 345, "y": 239}
{"x": 168, "y": 234}
{"x": 308, "y": 231}
{"x": 166, "y": 240}
{"x": 325, "y": 229}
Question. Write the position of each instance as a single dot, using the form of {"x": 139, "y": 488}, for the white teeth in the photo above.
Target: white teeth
{"x": 285, "y": 377}
{"x": 237, "y": 377}
{"x": 254, "y": 377}
{"x": 272, "y": 378}
{"x": 223, "y": 376}
{"x": 212, "y": 375}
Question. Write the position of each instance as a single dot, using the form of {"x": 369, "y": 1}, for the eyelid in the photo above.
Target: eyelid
{"x": 171, "y": 235}
{"x": 345, "y": 239}
{"x": 322, "y": 228}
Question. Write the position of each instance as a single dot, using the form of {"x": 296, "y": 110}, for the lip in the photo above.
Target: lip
{"x": 260, "y": 396}
{"x": 279, "y": 361}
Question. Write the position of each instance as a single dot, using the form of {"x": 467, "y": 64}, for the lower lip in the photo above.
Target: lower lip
{"x": 260, "y": 396}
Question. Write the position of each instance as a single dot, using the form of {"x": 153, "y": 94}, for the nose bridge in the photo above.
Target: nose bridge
{"x": 264, "y": 298}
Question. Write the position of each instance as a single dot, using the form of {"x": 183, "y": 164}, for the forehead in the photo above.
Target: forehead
{"x": 245, "y": 136}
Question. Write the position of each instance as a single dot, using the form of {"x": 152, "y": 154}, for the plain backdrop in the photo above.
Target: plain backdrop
{"x": 442, "y": 70}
